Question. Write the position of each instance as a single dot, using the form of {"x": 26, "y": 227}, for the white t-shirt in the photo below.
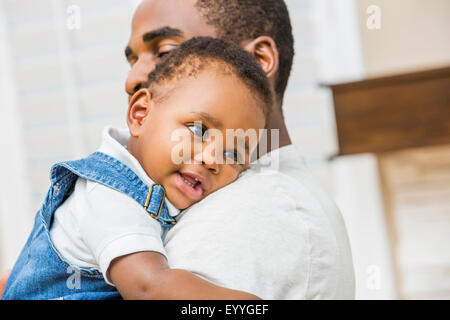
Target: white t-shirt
{"x": 97, "y": 224}
{"x": 273, "y": 233}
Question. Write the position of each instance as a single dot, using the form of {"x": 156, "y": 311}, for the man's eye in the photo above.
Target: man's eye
{"x": 162, "y": 54}
{"x": 165, "y": 49}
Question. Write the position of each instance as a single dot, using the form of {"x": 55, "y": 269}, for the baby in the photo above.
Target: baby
{"x": 99, "y": 232}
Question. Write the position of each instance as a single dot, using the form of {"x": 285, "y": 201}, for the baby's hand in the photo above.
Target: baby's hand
{"x": 3, "y": 281}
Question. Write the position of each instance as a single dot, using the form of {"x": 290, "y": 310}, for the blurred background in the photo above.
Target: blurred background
{"x": 367, "y": 105}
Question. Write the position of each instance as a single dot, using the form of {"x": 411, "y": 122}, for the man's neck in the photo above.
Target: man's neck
{"x": 277, "y": 123}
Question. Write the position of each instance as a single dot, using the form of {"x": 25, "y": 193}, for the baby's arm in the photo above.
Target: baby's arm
{"x": 146, "y": 275}
{"x": 127, "y": 246}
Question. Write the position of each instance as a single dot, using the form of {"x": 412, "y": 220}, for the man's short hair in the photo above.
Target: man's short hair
{"x": 239, "y": 20}
{"x": 197, "y": 54}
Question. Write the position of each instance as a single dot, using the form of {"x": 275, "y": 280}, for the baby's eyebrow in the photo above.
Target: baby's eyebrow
{"x": 209, "y": 118}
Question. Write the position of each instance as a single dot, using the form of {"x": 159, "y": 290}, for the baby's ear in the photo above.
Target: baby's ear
{"x": 138, "y": 110}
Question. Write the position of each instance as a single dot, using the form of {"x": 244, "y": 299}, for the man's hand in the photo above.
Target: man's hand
{"x": 3, "y": 281}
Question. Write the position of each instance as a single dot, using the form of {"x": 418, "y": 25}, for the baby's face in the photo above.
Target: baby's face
{"x": 174, "y": 150}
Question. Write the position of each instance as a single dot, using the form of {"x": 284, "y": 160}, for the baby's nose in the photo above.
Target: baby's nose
{"x": 208, "y": 159}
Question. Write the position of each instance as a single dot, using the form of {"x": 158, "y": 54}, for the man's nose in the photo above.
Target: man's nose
{"x": 138, "y": 75}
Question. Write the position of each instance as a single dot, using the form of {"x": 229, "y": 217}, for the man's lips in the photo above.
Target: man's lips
{"x": 191, "y": 184}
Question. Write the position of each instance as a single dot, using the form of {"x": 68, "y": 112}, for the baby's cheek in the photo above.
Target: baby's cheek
{"x": 228, "y": 175}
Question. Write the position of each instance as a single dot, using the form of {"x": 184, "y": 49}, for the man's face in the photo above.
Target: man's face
{"x": 158, "y": 27}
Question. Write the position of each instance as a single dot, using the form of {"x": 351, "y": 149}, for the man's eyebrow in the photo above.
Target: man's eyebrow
{"x": 151, "y": 35}
{"x": 208, "y": 118}
{"x": 162, "y": 32}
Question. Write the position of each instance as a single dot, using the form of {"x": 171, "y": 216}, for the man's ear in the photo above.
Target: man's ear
{"x": 138, "y": 110}
{"x": 265, "y": 51}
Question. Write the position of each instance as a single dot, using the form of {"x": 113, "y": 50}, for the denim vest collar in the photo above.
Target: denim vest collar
{"x": 106, "y": 170}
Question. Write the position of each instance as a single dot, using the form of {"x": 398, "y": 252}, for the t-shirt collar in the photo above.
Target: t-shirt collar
{"x": 114, "y": 144}
{"x": 281, "y": 159}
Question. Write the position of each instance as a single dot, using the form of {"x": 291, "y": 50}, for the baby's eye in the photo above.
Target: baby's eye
{"x": 235, "y": 156}
{"x": 198, "y": 130}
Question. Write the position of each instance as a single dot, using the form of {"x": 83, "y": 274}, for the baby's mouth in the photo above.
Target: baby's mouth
{"x": 190, "y": 186}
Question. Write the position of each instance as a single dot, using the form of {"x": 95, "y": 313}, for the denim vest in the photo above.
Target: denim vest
{"x": 40, "y": 271}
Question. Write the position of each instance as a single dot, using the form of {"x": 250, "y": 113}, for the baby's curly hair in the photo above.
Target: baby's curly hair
{"x": 197, "y": 54}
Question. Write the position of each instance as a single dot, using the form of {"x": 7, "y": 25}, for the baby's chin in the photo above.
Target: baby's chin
{"x": 179, "y": 193}
{"x": 178, "y": 200}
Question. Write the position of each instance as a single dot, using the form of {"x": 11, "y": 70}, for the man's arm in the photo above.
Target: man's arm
{"x": 146, "y": 276}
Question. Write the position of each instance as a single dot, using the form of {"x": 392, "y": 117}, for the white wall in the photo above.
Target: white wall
{"x": 414, "y": 34}
{"x": 15, "y": 222}
{"x": 59, "y": 87}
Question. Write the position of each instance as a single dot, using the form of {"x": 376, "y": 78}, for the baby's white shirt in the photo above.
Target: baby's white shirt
{"x": 97, "y": 224}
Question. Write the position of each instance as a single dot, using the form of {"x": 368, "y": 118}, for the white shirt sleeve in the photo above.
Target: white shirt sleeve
{"x": 112, "y": 225}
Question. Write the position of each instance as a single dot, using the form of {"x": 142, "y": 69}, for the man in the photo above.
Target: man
{"x": 273, "y": 233}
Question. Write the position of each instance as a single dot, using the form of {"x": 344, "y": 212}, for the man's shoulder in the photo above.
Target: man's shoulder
{"x": 273, "y": 198}
{"x": 252, "y": 190}
{"x": 267, "y": 220}
{"x": 266, "y": 189}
